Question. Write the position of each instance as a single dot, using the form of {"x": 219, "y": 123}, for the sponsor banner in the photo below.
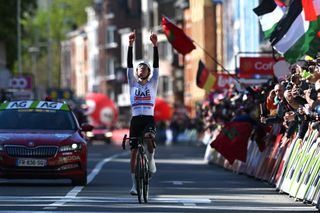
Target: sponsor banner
{"x": 303, "y": 167}
{"x": 284, "y": 161}
{"x": 310, "y": 174}
{"x": 294, "y": 167}
{"x": 223, "y": 81}
{"x": 34, "y": 105}
{"x": 252, "y": 66}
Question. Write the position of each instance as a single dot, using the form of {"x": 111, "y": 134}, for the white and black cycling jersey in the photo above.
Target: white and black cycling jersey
{"x": 143, "y": 97}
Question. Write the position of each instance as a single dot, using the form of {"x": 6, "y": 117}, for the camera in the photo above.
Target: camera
{"x": 313, "y": 93}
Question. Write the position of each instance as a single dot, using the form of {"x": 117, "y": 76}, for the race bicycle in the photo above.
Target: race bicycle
{"x": 142, "y": 173}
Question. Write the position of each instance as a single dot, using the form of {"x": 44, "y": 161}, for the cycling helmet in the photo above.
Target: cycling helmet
{"x": 143, "y": 64}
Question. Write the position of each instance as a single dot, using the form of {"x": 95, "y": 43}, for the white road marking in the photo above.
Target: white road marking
{"x": 76, "y": 190}
{"x": 131, "y": 199}
{"x": 131, "y": 202}
{"x": 177, "y": 182}
{"x": 180, "y": 183}
{"x": 69, "y": 212}
{"x": 177, "y": 201}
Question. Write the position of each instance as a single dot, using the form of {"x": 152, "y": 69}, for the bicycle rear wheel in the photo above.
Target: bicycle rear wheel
{"x": 145, "y": 180}
{"x": 139, "y": 177}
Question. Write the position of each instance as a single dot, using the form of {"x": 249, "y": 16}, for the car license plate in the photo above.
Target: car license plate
{"x": 26, "y": 162}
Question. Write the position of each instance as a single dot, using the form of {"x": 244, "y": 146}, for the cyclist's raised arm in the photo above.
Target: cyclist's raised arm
{"x": 132, "y": 38}
{"x": 154, "y": 40}
{"x": 155, "y": 76}
{"x": 130, "y": 74}
{"x": 129, "y": 57}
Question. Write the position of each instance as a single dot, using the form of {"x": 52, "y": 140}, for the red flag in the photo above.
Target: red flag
{"x": 280, "y": 3}
{"x": 310, "y": 8}
{"x": 178, "y": 39}
{"x": 232, "y": 141}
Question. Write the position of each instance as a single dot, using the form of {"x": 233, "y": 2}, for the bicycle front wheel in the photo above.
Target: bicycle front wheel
{"x": 146, "y": 177}
{"x": 139, "y": 177}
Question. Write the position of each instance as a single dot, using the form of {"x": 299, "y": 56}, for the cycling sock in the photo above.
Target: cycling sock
{"x": 133, "y": 178}
{"x": 152, "y": 164}
{"x": 133, "y": 190}
{"x": 150, "y": 155}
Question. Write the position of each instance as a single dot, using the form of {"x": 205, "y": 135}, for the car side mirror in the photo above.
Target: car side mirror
{"x": 86, "y": 127}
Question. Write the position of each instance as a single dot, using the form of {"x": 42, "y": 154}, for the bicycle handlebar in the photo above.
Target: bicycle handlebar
{"x": 128, "y": 138}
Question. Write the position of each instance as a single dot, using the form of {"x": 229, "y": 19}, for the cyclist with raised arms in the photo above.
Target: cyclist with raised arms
{"x": 143, "y": 90}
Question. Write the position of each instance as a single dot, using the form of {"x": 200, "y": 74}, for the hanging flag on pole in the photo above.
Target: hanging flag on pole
{"x": 178, "y": 39}
{"x": 184, "y": 44}
{"x": 269, "y": 14}
{"x": 205, "y": 79}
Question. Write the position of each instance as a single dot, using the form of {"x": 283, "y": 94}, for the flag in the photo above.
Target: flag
{"x": 295, "y": 36}
{"x": 205, "y": 79}
{"x": 281, "y": 3}
{"x": 269, "y": 14}
{"x": 178, "y": 39}
{"x": 311, "y": 9}
{"x": 232, "y": 141}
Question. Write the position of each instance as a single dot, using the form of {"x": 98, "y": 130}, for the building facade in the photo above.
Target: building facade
{"x": 219, "y": 29}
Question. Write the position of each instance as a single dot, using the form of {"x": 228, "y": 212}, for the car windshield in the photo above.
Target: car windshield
{"x": 37, "y": 119}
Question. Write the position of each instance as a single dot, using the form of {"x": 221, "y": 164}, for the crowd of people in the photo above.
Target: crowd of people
{"x": 289, "y": 105}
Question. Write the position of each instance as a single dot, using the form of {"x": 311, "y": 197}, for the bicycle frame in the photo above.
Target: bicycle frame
{"x": 142, "y": 169}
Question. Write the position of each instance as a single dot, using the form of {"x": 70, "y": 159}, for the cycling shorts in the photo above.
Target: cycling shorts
{"x": 140, "y": 124}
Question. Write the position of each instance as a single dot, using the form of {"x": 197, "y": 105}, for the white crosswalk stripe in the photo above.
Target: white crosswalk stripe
{"x": 16, "y": 200}
{"x": 102, "y": 202}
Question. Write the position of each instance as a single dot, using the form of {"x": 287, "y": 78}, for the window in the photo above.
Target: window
{"x": 133, "y": 7}
{"x": 165, "y": 51}
{"x": 95, "y": 66}
{"x": 110, "y": 37}
{"x": 109, "y": 12}
{"x": 165, "y": 85}
{"x": 31, "y": 119}
{"x": 110, "y": 68}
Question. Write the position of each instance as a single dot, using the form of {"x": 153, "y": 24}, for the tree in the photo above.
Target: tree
{"x": 8, "y": 26}
{"x": 51, "y": 23}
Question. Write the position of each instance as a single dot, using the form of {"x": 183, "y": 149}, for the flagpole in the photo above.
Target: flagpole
{"x": 224, "y": 69}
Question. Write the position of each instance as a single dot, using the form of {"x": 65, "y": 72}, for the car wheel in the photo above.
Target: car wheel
{"x": 80, "y": 181}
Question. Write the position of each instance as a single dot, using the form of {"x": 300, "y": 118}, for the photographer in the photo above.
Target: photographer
{"x": 282, "y": 107}
{"x": 277, "y": 119}
{"x": 312, "y": 70}
{"x": 271, "y": 106}
{"x": 312, "y": 95}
